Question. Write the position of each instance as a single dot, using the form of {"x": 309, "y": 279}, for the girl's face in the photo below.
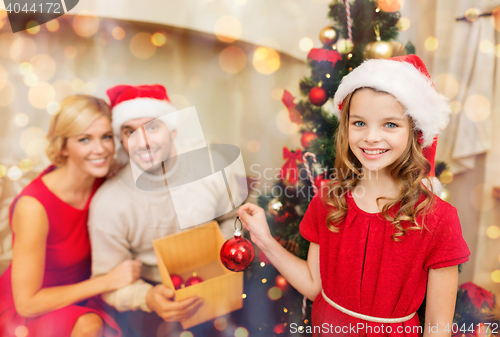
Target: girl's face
{"x": 378, "y": 129}
{"x": 92, "y": 150}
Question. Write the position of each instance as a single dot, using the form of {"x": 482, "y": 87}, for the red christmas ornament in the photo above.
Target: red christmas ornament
{"x": 237, "y": 254}
{"x": 320, "y": 181}
{"x": 193, "y": 280}
{"x": 307, "y": 138}
{"x": 177, "y": 281}
{"x": 318, "y": 96}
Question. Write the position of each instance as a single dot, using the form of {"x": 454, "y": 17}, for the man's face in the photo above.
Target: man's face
{"x": 150, "y": 145}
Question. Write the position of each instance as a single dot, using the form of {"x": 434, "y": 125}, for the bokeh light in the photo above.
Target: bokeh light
{"x": 262, "y": 264}
{"x": 52, "y": 26}
{"x": 30, "y": 80}
{"x": 3, "y": 170}
{"x": 63, "y": 89}
{"x": 21, "y": 331}
{"x": 232, "y": 60}
{"x": 253, "y": 146}
{"x": 53, "y": 108}
{"x": 486, "y": 46}
{"x": 44, "y": 67}
{"x": 118, "y": 33}
{"x": 284, "y": 124}
{"x": 32, "y": 27}
{"x": 266, "y": 60}
{"x": 220, "y": 323}
{"x": 403, "y": 24}
{"x": 26, "y": 165}
{"x": 186, "y": 334}
{"x": 241, "y": 332}
{"x": 14, "y": 173}
{"x": 25, "y": 68}
{"x": 23, "y": 49}
{"x": 274, "y": 293}
{"x": 264, "y": 280}
{"x": 6, "y": 41}
{"x": 77, "y": 85}
{"x": 21, "y": 119}
{"x": 244, "y": 296}
{"x": 477, "y": 108}
{"x": 41, "y": 94}
{"x": 227, "y": 28}
{"x": 455, "y": 106}
{"x": 344, "y": 46}
{"x": 472, "y": 14}
{"x": 141, "y": 46}
{"x": 493, "y": 232}
{"x": 431, "y": 43}
{"x": 85, "y": 24}
{"x": 306, "y": 44}
{"x": 446, "y": 177}
{"x": 70, "y": 52}
{"x": 390, "y": 5}
{"x": 180, "y": 101}
{"x": 495, "y": 276}
{"x": 7, "y": 94}
{"x": 447, "y": 85}
{"x": 158, "y": 39}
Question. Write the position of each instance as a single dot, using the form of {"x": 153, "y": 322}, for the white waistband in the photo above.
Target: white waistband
{"x": 366, "y": 317}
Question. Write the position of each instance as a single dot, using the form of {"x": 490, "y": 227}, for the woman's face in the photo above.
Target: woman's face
{"x": 92, "y": 150}
{"x": 378, "y": 129}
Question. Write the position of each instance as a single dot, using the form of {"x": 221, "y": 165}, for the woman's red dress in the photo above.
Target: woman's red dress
{"x": 364, "y": 270}
{"x": 67, "y": 261}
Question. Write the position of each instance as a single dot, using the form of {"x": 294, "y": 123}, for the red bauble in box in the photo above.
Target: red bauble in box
{"x": 177, "y": 281}
{"x": 307, "y": 138}
{"x": 193, "y": 280}
{"x": 318, "y": 96}
{"x": 237, "y": 254}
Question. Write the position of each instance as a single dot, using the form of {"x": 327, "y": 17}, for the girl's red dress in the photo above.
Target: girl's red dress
{"x": 364, "y": 270}
{"x": 67, "y": 261}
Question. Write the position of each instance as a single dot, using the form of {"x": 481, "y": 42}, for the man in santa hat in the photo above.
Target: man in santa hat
{"x": 132, "y": 209}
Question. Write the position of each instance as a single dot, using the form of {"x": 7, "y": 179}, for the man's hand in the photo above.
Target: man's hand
{"x": 159, "y": 299}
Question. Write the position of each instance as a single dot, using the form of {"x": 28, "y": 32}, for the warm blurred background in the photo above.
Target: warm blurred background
{"x": 232, "y": 59}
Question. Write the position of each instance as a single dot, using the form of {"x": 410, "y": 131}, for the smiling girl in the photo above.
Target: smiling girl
{"x": 380, "y": 239}
{"x": 46, "y": 291}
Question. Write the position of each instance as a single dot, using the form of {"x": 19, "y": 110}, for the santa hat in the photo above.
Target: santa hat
{"x": 131, "y": 102}
{"x": 407, "y": 79}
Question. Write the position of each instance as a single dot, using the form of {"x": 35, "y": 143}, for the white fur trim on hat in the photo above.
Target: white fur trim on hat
{"x": 428, "y": 109}
{"x": 140, "y": 108}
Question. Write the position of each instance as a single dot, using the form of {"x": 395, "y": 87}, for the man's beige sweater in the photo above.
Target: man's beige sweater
{"x": 124, "y": 220}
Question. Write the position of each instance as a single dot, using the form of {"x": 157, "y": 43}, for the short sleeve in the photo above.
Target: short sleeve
{"x": 448, "y": 247}
{"x": 309, "y": 226}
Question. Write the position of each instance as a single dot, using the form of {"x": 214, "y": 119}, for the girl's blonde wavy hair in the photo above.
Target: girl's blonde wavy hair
{"x": 76, "y": 114}
{"x": 408, "y": 171}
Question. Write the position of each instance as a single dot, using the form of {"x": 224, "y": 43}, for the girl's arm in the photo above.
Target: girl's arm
{"x": 30, "y": 228}
{"x": 302, "y": 275}
{"x": 441, "y": 296}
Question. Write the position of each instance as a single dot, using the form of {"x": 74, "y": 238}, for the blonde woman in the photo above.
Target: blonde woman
{"x": 47, "y": 289}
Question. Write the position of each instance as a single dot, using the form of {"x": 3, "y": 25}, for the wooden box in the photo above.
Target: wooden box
{"x": 198, "y": 250}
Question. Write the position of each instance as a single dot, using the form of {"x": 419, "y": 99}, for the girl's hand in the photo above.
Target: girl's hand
{"x": 254, "y": 220}
{"x": 123, "y": 274}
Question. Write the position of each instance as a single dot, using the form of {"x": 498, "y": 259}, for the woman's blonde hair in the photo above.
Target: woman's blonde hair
{"x": 76, "y": 114}
{"x": 408, "y": 172}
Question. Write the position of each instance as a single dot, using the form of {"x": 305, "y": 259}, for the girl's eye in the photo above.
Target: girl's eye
{"x": 355, "y": 123}
{"x": 394, "y": 125}
{"x": 83, "y": 140}
{"x": 108, "y": 137}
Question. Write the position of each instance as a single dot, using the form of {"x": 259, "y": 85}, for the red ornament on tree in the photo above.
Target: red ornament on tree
{"x": 237, "y": 253}
{"x": 307, "y": 138}
{"x": 318, "y": 96}
{"x": 177, "y": 281}
{"x": 193, "y": 280}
